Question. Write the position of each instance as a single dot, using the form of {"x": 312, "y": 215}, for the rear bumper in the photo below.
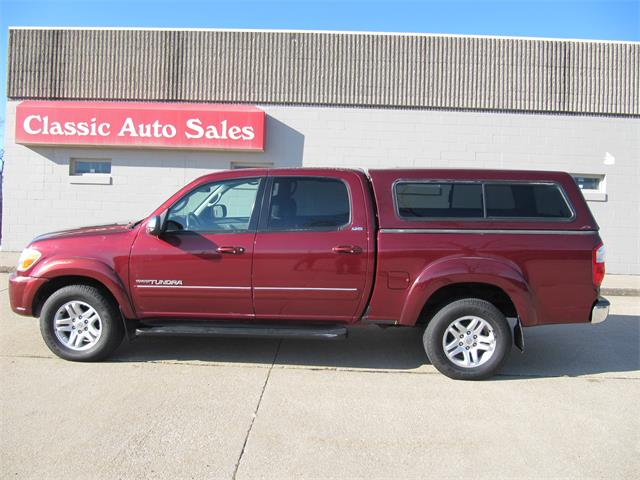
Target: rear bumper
{"x": 22, "y": 291}
{"x": 600, "y": 310}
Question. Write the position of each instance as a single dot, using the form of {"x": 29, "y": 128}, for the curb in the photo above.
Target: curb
{"x": 621, "y": 292}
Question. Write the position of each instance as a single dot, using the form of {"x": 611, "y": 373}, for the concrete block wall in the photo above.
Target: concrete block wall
{"x": 371, "y": 138}
{"x": 39, "y": 198}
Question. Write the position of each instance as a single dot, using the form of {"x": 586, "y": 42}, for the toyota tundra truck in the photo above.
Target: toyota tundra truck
{"x": 470, "y": 256}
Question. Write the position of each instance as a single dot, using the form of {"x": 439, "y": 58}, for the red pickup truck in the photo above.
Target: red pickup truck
{"x": 471, "y": 256}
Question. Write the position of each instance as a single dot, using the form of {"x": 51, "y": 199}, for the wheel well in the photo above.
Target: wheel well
{"x": 450, "y": 293}
{"x": 57, "y": 283}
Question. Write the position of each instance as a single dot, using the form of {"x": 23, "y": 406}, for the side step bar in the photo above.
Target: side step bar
{"x": 328, "y": 332}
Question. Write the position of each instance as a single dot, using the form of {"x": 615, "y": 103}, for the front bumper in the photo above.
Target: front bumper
{"x": 600, "y": 310}
{"x": 22, "y": 292}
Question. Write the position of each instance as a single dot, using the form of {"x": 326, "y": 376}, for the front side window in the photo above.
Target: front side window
{"x": 225, "y": 206}
{"x": 522, "y": 200}
{"x": 418, "y": 200}
{"x": 308, "y": 203}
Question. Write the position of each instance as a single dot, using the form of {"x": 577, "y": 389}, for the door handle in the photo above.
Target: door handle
{"x": 348, "y": 249}
{"x": 230, "y": 250}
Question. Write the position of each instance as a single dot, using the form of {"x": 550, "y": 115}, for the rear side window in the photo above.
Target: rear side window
{"x": 426, "y": 200}
{"x": 439, "y": 200}
{"x": 524, "y": 200}
{"x": 308, "y": 203}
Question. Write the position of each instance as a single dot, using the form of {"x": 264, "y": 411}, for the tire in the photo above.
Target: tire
{"x": 85, "y": 309}
{"x": 461, "y": 328}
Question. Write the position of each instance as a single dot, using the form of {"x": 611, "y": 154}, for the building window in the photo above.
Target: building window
{"x": 90, "y": 171}
{"x": 239, "y": 165}
{"x": 81, "y": 166}
{"x": 593, "y": 187}
{"x": 590, "y": 183}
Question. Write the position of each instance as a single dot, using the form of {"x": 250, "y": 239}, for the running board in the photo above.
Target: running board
{"x": 329, "y": 332}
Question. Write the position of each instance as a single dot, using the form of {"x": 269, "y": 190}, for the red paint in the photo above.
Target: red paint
{"x": 296, "y": 260}
{"x": 547, "y": 277}
{"x": 97, "y": 253}
{"x": 374, "y": 273}
{"x": 22, "y": 291}
{"x": 194, "y": 260}
{"x": 131, "y": 124}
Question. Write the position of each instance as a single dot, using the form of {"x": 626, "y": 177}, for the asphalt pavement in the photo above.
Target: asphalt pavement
{"x": 368, "y": 407}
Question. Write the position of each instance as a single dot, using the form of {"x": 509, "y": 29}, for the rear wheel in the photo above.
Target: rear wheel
{"x": 80, "y": 323}
{"x": 468, "y": 339}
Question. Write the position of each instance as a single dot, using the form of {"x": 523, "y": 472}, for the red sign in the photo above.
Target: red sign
{"x": 124, "y": 124}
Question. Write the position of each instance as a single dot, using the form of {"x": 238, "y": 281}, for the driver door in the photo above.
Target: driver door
{"x": 201, "y": 265}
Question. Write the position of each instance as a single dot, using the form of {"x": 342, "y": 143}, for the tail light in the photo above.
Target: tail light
{"x": 597, "y": 257}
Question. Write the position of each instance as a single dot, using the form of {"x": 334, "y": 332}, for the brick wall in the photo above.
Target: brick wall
{"x": 39, "y": 198}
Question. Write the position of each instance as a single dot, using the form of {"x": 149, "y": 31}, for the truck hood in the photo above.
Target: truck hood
{"x": 85, "y": 231}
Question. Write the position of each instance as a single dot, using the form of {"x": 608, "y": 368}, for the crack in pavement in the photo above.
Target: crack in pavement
{"x": 255, "y": 413}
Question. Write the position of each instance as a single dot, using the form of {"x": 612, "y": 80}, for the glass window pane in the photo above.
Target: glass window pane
{"x": 526, "y": 201}
{"x": 81, "y": 167}
{"x": 418, "y": 200}
{"x": 216, "y": 207}
{"x": 307, "y": 203}
{"x": 588, "y": 183}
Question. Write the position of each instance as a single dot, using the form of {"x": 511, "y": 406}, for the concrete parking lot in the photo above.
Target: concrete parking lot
{"x": 370, "y": 406}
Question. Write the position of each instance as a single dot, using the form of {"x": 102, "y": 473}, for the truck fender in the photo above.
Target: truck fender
{"x": 457, "y": 270}
{"x": 90, "y": 268}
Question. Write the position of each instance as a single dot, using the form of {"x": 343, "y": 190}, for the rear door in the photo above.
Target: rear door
{"x": 312, "y": 252}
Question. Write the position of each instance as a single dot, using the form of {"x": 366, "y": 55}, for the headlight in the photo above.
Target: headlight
{"x": 28, "y": 257}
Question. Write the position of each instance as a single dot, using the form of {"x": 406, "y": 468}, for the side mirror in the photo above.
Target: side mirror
{"x": 219, "y": 211}
{"x": 154, "y": 226}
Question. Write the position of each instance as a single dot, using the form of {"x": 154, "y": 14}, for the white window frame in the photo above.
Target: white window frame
{"x": 89, "y": 178}
{"x": 594, "y": 195}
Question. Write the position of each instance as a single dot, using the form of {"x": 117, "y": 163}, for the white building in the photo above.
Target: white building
{"x": 329, "y": 99}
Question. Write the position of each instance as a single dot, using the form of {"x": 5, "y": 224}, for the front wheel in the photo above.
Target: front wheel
{"x": 80, "y": 323}
{"x": 468, "y": 339}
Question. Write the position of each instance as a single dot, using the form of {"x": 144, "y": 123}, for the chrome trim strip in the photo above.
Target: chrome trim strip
{"x": 194, "y": 286}
{"x": 478, "y": 231}
{"x": 249, "y": 288}
{"x": 308, "y": 289}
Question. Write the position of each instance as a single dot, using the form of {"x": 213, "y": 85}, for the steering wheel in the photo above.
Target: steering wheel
{"x": 193, "y": 222}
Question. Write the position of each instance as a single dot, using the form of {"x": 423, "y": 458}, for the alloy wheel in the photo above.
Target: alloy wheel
{"x": 469, "y": 341}
{"x": 77, "y": 325}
